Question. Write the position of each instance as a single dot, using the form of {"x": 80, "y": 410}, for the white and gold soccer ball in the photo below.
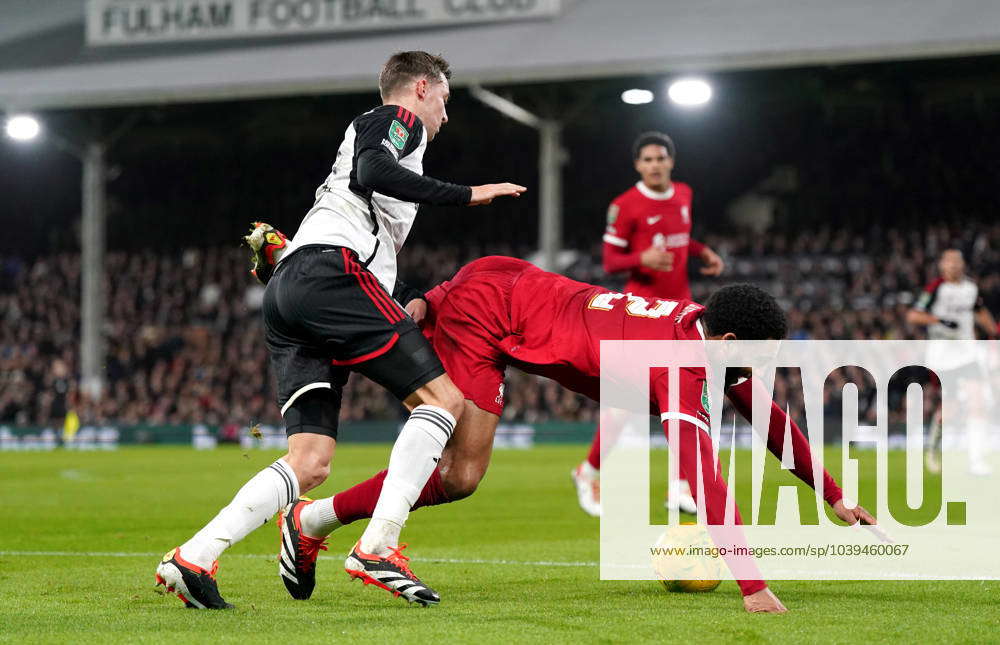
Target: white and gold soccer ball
{"x": 685, "y": 559}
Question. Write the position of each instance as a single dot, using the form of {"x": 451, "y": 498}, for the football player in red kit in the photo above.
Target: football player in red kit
{"x": 649, "y": 227}
{"x": 648, "y": 235}
{"x": 500, "y": 311}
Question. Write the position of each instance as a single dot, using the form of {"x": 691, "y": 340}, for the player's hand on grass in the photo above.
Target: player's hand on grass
{"x": 713, "y": 263}
{"x": 853, "y": 515}
{"x": 657, "y": 259}
{"x": 488, "y": 192}
{"x": 763, "y": 602}
{"x": 417, "y": 308}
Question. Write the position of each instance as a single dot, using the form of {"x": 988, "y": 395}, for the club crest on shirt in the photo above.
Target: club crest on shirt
{"x": 686, "y": 214}
{"x": 398, "y": 134}
{"x": 612, "y": 213}
{"x": 705, "y": 402}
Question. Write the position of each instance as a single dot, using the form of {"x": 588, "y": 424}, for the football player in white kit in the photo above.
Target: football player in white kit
{"x": 329, "y": 310}
{"x": 950, "y": 307}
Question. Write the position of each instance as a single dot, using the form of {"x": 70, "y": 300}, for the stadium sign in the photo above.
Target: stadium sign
{"x": 131, "y": 22}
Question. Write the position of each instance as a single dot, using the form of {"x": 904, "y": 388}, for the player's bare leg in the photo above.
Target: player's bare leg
{"x": 467, "y": 456}
{"x": 310, "y": 456}
{"x": 463, "y": 465}
{"x": 189, "y": 570}
{"x": 377, "y": 557}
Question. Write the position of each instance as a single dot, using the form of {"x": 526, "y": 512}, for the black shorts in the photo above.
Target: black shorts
{"x": 325, "y": 315}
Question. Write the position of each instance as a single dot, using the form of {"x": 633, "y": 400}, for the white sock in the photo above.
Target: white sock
{"x": 414, "y": 457}
{"x": 319, "y": 519}
{"x": 976, "y": 445}
{"x": 260, "y": 498}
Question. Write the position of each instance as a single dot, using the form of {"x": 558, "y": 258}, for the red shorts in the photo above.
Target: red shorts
{"x": 467, "y": 326}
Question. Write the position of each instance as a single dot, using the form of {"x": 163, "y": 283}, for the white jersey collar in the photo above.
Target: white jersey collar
{"x": 652, "y": 194}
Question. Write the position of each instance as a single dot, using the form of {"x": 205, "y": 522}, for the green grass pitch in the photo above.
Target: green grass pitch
{"x": 144, "y": 501}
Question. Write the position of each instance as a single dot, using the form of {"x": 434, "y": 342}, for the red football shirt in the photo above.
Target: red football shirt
{"x": 501, "y": 311}
{"x": 640, "y": 218}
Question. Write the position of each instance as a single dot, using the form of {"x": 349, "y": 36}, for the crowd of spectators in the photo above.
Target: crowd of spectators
{"x": 185, "y": 345}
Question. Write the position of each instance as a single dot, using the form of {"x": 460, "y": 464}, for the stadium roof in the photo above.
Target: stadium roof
{"x": 45, "y": 61}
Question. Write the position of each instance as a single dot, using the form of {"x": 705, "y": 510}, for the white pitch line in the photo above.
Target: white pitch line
{"x": 520, "y": 563}
{"x": 123, "y": 554}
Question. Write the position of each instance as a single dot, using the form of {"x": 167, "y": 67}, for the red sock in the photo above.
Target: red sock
{"x": 594, "y": 456}
{"x": 358, "y": 502}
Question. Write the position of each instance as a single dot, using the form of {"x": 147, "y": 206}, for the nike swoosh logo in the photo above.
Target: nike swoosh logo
{"x": 653, "y": 220}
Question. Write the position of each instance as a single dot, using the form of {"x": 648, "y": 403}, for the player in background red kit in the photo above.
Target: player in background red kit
{"x": 648, "y": 235}
{"x": 500, "y": 311}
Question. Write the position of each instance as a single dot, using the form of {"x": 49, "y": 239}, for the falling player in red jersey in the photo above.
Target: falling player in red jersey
{"x": 500, "y": 311}
{"x": 648, "y": 235}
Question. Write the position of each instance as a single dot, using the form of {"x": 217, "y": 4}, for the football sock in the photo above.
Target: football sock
{"x": 594, "y": 456}
{"x": 358, "y": 503}
{"x": 260, "y": 498}
{"x": 976, "y": 445}
{"x": 414, "y": 457}
{"x": 319, "y": 519}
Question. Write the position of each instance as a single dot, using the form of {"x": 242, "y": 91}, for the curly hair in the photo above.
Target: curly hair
{"x": 747, "y": 311}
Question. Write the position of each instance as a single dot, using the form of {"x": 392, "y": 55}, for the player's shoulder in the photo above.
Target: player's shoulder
{"x": 687, "y": 317}
{"x": 395, "y": 115}
{"x": 395, "y": 127}
{"x": 682, "y": 190}
{"x": 934, "y": 285}
{"x": 630, "y": 196}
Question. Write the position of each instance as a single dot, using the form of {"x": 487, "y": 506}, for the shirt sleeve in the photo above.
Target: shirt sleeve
{"x": 695, "y": 247}
{"x": 692, "y": 398}
{"x": 927, "y": 296}
{"x": 741, "y": 396}
{"x": 618, "y": 252}
{"x": 382, "y": 138}
{"x": 697, "y": 461}
{"x": 382, "y": 174}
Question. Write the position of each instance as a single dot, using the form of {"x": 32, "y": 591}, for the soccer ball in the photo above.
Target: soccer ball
{"x": 678, "y": 569}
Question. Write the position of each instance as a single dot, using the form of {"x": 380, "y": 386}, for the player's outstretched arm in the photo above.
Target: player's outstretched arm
{"x": 378, "y": 170}
{"x": 488, "y": 192}
{"x": 741, "y": 396}
{"x": 922, "y": 318}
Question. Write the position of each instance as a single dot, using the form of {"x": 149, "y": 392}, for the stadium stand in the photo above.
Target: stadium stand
{"x": 184, "y": 342}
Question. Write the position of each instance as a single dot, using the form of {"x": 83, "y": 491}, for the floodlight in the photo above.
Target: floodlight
{"x": 690, "y": 92}
{"x": 637, "y": 96}
{"x": 22, "y": 127}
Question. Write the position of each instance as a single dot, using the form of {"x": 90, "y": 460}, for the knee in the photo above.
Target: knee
{"x": 460, "y": 483}
{"x": 311, "y": 471}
